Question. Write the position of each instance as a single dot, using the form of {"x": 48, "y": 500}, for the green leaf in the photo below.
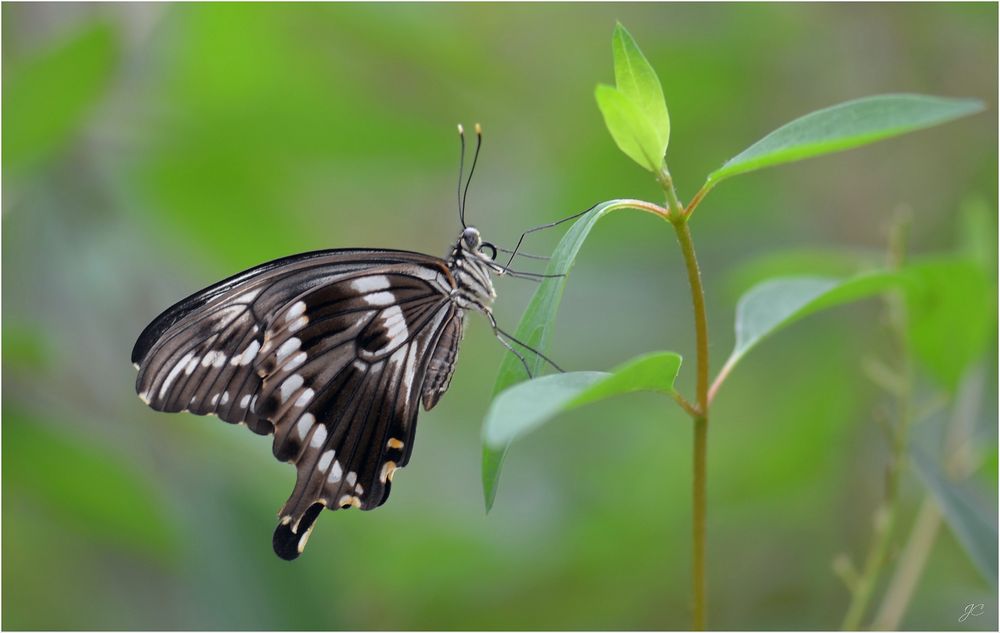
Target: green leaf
{"x": 977, "y": 535}
{"x": 636, "y": 79}
{"x": 630, "y": 129}
{"x": 525, "y": 407}
{"x": 844, "y": 126}
{"x": 537, "y": 322}
{"x": 772, "y": 305}
{"x": 952, "y": 313}
{"x": 47, "y": 97}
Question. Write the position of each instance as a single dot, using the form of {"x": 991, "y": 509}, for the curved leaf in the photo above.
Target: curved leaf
{"x": 524, "y": 407}
{"x": 769, "y": 306}
{"x": 535, "y": 328}
{"x": 844, "y": 126}
{"x": 636, "y": 79}
{"x": 632, "y": 132}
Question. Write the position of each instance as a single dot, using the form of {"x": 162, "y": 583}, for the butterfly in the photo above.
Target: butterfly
{"x": 332, "y": 352}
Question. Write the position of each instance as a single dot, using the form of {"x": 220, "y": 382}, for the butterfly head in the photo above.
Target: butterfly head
{"x": 471, "y": 244}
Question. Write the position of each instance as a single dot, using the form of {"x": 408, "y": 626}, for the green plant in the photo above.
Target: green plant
{"x": 636, "y": 115}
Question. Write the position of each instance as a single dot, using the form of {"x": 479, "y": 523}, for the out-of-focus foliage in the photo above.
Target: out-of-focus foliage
{"x": 972, "y": 528}
{"x": 152, "y": 149}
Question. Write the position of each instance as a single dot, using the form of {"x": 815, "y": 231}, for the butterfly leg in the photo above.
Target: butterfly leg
{"x": 520, "y": 357}
{"x": 540, "y": 228}
{"x": 502, "y": 336}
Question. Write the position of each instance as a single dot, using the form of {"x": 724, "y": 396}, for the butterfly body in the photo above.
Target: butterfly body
{"x": 332, "y": 352}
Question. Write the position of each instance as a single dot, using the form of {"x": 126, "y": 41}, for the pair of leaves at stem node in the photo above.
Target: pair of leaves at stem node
{"x": 634, "y": 110}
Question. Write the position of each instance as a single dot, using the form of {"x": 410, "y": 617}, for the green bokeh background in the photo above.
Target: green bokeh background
{"x": 151, "y": 149}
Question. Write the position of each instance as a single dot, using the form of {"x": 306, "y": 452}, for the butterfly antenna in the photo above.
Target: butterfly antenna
{"x": 475, "y": 159}
{"x": 461, "y": 169}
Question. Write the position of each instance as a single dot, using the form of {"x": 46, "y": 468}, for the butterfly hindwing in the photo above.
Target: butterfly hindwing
{"x": 343, "y": 367}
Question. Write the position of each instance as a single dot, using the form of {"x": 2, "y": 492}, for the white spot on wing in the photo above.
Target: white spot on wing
{"x": 325, "y": 459}
{"x": 291, "y": 384}
{"x": 394, "y": 323}
{"x": 225, "y": 397}
{"x": 352, "y": 478}
{"x": 191, "y": 366}
{"x": 294, "y": 363}
{"x": 335, "y": 473}
{"x": 298, "y": 324}
{"x": 318, "y": 436}
{"x": 245, "y": 401}
{"x": 370, "y": 283}
{"x": 287, "y": 348}
{"x": 305, "y": 423}
{"x": 380, "y": 299}
{"x": 215, "y": 400}
{"x": 294, "y": 312}
{"x": 215, "y": 358}
{"x": 304, "y": 398}
{"x": 177, "y": 369}
{"x": 247, "y": 356}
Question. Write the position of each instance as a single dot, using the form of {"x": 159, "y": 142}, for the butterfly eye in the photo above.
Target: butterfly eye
{"x": 492, "y": 249}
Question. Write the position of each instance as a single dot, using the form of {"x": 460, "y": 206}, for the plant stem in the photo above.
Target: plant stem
{"x": 699, "y": 412}
{"x": 667, "y": 182}
{"x": 700, "y": 318}
{"x": 699, "y": 505}
{"x": 885, "y": 515}
{"x": 910, "y": 567}
{"x": 699, "y": 490}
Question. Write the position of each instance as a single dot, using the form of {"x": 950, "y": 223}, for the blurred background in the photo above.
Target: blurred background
{"x": 152, "y": 149}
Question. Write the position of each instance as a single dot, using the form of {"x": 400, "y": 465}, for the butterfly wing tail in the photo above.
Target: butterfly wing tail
{"x": 290, "y": 537}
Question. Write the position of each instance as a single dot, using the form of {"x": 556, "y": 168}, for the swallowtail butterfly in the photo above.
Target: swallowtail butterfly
{"x": 330, "y": 351}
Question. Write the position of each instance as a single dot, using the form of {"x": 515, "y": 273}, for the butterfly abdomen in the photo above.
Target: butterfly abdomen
{"x": 442, "y": 364}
